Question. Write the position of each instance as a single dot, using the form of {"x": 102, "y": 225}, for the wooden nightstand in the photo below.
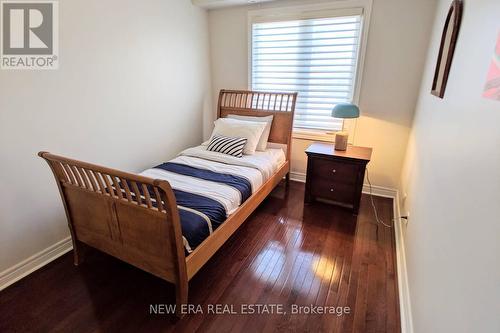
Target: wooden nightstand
{"x": 336, "y": 176}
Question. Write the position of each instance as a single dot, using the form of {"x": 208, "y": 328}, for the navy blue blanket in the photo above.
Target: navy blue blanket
{"x": 201, "y": 215}
{"x": 237, "y": 182}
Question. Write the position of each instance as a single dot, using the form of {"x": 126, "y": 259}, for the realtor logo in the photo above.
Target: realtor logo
{"x": 29, "y": 35}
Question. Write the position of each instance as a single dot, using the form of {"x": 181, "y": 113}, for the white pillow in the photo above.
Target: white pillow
{"x": 262, "y": 145}
{"x": 250, "y": 130}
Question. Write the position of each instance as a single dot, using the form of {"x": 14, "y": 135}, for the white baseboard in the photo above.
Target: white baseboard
{"x": 403, "y": 285}
{"x": 381, "y": 191}
{"x": 298, "y": 176}
{"x": 403, "y": 288}
{"x": 25, "y": 267}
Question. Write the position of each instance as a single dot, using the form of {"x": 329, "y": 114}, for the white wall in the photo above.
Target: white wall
{"x": 452, "y": 177}
{"x": 397, "y": 45}
{"x": 130, "y": 92}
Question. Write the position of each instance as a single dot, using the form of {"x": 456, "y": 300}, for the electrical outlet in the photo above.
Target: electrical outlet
{"x": 407, "y": 219}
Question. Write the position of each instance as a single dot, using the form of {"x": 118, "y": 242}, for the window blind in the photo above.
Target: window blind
{"x": 315, "y": 57}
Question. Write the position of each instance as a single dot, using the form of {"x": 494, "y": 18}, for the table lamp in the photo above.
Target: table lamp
{"x": 343, "y": 111}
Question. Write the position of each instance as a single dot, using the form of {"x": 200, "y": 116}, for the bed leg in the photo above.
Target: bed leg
{"x": 181, "y": 297}
{"x": 287, "y": 179}
{"x": 79, "y": 250}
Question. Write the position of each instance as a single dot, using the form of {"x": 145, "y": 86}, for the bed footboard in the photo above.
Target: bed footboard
{"x": 128, "y": 216}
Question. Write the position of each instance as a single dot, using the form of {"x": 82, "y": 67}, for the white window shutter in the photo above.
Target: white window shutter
{"x": 315, "y": 57}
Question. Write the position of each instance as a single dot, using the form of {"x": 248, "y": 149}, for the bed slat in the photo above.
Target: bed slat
{"x": 126, "y": 189}
{"x": 147, "y": 197}
{"x": 117, "y": 187}
{"x": 90, "y": 176}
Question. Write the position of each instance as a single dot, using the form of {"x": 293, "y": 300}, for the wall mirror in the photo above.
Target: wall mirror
{"x": 447, "y": 48}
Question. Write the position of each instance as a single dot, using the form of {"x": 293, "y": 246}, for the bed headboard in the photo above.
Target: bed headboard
{"x": 259, "y": 103}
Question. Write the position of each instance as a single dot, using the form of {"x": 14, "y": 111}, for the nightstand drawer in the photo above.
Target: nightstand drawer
{"x": 336, "y": 171}
{"x": 336, "y": 191}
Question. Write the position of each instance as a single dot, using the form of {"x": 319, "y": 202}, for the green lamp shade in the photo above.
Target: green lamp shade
{"x": 345, "y": 110}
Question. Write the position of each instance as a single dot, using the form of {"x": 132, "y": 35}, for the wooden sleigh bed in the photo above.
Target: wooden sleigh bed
{"x": 136, "y": 219}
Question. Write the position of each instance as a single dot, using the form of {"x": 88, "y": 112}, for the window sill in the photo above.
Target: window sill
{"x": 314, "y": 135}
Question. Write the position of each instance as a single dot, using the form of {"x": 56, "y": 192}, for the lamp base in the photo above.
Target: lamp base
{"x": 341, "y": 139}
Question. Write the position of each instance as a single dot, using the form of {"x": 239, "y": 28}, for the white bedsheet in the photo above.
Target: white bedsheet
{"x": 267, "y": 162}
{"x": 257, "y": 168}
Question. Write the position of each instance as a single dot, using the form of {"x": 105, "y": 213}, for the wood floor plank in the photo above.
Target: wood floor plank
{"x": 286, "y": 253}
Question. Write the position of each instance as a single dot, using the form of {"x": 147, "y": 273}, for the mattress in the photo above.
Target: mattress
{"x": 210, "y": 186}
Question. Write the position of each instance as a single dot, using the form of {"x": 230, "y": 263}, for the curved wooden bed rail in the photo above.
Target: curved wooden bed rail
{"x": 136, "y": 219}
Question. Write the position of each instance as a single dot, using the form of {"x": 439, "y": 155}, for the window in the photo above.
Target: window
{"x": 315, "y": 56}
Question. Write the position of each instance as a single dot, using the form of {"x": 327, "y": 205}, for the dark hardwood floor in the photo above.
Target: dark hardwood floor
{"x": 285, "y": 254}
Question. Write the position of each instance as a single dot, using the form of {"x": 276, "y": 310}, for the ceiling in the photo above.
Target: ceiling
{"x": 209, "y": 4}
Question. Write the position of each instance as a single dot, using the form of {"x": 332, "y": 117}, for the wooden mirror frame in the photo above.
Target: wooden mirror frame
{"x": 455, "y": 11}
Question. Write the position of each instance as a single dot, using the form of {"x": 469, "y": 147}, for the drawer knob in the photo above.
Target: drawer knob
{"x": 334, "y": 171}
{"x": 331, "y": 190}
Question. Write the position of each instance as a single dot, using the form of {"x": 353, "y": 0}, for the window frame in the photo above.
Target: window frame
{"x": 321, "y": 10}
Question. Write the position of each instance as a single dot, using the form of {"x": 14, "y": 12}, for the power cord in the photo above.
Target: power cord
{"x": 373, "y": 203}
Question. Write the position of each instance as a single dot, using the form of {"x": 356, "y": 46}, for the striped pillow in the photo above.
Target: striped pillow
{"x": 227, "y": 145}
